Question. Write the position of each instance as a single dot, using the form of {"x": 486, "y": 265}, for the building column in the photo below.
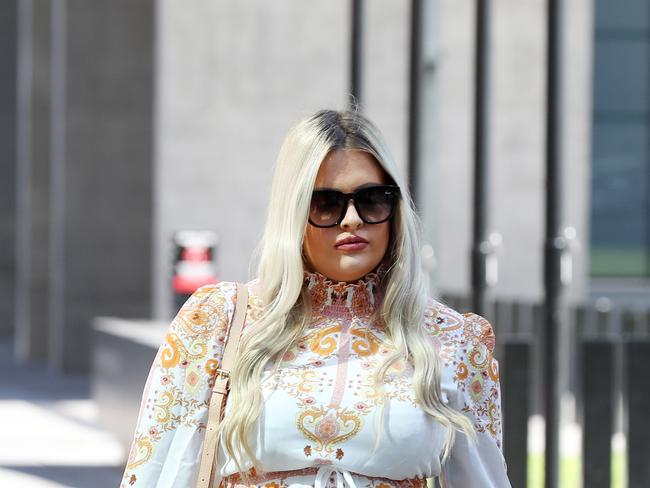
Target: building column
{"x": 8, "y": 66}
{"x": 32, "y": 180}
{"x": 101, "y": 161}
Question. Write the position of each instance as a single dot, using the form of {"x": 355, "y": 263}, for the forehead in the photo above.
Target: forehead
{"x": 346, "y": 170}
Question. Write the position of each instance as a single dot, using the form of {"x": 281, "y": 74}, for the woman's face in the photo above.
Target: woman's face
{"x": 347, "y": 171}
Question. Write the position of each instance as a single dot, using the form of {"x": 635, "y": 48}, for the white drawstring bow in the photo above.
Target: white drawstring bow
{"x": 343, "y": 477}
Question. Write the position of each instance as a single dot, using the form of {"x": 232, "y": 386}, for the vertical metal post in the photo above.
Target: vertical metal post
{"x": 356, "y": 44}
{"x": 647, "y": 157}
{"x": 598, "y": 392}
{"x": 637, "y": 358}
{"x": 415, "y": 83}
{"x": 480, "y": 244}
{"x": 516, "y": 408}
{"x": 555, "y": 243}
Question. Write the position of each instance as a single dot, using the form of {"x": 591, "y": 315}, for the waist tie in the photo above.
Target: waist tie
{"x": 342, "y": 477}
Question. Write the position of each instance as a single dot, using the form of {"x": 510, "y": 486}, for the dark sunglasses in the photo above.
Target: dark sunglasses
{"x": 374, "y": 204}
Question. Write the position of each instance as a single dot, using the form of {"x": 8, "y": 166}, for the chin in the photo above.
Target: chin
{"x": 354, "y": 272}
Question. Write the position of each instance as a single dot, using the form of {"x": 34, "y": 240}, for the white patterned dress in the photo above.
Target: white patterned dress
{"x": 318, "y": 424}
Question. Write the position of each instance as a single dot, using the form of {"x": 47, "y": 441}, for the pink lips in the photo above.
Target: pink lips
{"x": 352, "y": 243}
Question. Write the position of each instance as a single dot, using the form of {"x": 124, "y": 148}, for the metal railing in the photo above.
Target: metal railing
{"x": 605, "y": 368}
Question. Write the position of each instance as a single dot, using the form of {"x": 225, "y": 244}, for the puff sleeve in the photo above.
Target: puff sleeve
{"x": 474, "y": 390}
{"x": 171, "y": 424}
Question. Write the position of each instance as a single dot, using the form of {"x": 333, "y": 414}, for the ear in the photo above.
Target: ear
{"x": 305, "y": 262}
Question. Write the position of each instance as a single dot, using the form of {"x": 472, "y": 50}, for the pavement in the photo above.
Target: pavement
{"x": 50, "y": 437}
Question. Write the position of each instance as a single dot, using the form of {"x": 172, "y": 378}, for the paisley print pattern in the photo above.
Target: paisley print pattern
{"x": 176, "y": 395}
{"x": 328, "y": 427}
{"x": 476, "y": 370}
{"x": 284, "y": 479}
{"x": 321, "y": 403}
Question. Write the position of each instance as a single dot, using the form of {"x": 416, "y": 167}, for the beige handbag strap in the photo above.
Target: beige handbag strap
{"x": 220, "y": 391}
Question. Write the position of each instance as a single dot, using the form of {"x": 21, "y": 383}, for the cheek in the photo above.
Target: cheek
{"x": 384, "y": 237}
{"x": 314, "y": 242}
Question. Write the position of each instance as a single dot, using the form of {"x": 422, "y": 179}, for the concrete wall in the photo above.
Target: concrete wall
{"x": 146, "y": 118}
{"x": 101, "y": 169}
{"x": 123, "y": 353}
{"x": 231, "y": 78}
{"x": 8, "y": 66}
{"x": 386, "y": 72}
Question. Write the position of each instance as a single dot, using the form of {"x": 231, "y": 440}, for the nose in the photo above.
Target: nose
{"x": 351, "y": 218}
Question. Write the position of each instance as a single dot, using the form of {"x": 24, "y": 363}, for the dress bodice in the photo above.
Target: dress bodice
{"x": 321, "y": 412}
{"x": 322, "y": 406}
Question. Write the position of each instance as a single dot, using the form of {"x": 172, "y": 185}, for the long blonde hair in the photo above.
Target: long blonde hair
{"x": 286, "y": 304}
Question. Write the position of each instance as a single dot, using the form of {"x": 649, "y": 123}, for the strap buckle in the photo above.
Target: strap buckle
{"x": 223, "y": 373}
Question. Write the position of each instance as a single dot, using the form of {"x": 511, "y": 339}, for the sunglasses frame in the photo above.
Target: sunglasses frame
{"x": 350, "y": 196}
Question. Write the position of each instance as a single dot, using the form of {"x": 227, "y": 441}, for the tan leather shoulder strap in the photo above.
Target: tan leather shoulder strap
{"x": 220, "y": 391}
{"x": 236, "y": 327}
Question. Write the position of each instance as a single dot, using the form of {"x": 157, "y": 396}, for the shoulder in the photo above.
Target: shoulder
{"x": 206, "y": 311}
{"x": 213, "y": 293}
{"x": 223, "y": 294}
{"x": 466, "y": 344}
{"x": 221, "y": 299}
{"x": 459, "y": 337}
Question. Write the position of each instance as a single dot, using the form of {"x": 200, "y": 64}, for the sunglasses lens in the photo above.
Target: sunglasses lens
{"x": 325, "y": 208}
{"x": 375, "y": 204}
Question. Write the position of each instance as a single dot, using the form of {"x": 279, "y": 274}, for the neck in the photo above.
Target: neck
{"x": 344, "y": 299}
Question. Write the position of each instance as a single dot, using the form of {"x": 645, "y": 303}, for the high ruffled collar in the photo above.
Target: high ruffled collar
{"x": 332, "y": 298}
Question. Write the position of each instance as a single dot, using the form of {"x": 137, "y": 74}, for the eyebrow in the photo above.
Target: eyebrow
{"x": 365, "y": 185}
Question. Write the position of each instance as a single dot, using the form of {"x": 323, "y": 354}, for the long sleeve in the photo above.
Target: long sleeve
{"x": 171, "y": 424}
{"x": 476, "y": 393}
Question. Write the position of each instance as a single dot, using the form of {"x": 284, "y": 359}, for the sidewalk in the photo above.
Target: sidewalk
{"x": 50, "y": 437}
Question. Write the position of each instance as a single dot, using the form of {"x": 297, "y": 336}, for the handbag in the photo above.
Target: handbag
{"x": 220, "y": 391}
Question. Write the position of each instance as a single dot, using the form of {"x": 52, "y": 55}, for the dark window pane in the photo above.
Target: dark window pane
{"x": 621, "y": 76}
{"x": 622, "y": 14}
{"x": 619, "y": 209}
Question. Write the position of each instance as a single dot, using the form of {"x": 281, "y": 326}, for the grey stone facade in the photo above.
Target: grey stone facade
{"x": 150, "y": 117}
{"x": 84, "y": 165}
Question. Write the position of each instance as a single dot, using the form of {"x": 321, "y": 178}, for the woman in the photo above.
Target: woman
{"x": 348, "y": 374}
